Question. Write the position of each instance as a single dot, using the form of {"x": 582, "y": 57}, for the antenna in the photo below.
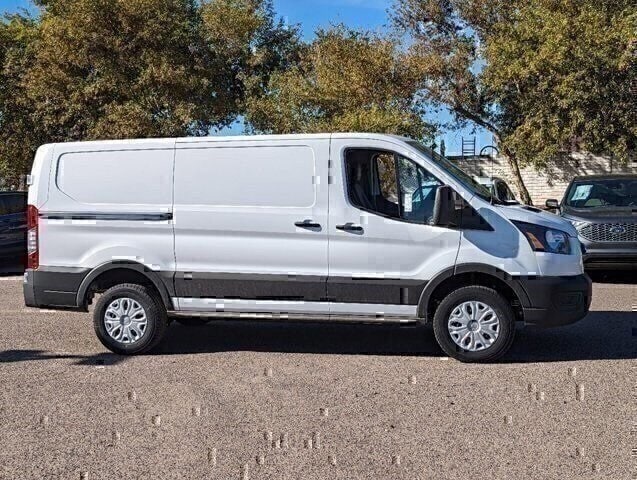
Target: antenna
{"x": 492, "y": 163}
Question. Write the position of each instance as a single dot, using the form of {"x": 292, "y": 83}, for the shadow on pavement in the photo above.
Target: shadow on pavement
{"x": 300, "y": 337}
{"x": 607, "y": 335}
{"x": 14, "y": 356}
{"x": 600, "y": 336}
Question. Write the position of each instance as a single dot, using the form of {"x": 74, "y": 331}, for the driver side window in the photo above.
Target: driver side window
{"x": 418, "y": 191}
{"x": 390, "y": 185}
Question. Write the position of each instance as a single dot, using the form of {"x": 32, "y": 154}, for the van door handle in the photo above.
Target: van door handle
{"x": 350, "y": 227}
{"x": 307, "y": 224}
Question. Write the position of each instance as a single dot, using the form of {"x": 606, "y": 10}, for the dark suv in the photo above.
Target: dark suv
{"x": 603, "y": 209}
{"x": 13, "y": 228}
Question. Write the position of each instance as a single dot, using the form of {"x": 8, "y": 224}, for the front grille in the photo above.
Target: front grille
{"x": 609, "y": 232}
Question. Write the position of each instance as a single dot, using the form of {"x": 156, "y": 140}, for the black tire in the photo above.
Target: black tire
{"x": 192, "y": 321}
{"x": 156, "y": 317}
{"x": 493, "y": 299}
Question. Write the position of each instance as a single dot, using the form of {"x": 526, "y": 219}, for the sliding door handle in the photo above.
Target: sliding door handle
{"x": 350, "y": 227}
{"x": 307, "y": 224}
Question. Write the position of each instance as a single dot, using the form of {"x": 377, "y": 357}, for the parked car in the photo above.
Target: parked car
{"x": 603, "y": 209}
{"x": 13, "y": 228}
{"x": 498, "y": 188}
{"x": 358, "y": 227}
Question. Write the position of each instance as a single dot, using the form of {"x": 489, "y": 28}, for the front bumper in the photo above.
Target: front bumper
{"x": 600, "y": 256}
{"x": 609, "y": 254}
{"x": 556, "y": 301}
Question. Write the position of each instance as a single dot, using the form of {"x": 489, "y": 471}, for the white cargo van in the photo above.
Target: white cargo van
{"x": 359, "y": 227}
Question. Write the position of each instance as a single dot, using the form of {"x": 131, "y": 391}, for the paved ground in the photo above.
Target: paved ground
{"x": 266, "y": 400}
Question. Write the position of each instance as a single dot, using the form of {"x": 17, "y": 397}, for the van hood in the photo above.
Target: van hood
{"x": 525, "y": 213}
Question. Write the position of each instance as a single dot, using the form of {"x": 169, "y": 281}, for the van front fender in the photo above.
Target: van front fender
{"x": 453, "y": 277}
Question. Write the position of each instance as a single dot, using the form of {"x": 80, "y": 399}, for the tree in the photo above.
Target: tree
{"x": 102, "y": 69}
{"x": 534, "y": 73}
{"x": 115, "y": 69}
{"x": 345, "y": 81}
{"x": 17, "y": 33}
{"x": 250, "y": 43}
{"x": 568, "y": 66}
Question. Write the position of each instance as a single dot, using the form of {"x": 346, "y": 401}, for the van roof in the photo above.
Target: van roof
{"x": 289, "y": 137}
{"x": 238, "y": 138}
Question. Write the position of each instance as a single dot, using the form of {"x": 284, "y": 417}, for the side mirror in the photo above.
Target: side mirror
{"x": 552, "y": 204}
{"x": 445, "y": 212}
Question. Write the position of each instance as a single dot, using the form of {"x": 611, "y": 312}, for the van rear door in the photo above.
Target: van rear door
{"x": 251, "y": 224}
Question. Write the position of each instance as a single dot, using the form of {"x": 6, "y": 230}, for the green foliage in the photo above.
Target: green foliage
{"x": 562, "y": 71}
{"x": 249, "y": 43}
{"x": 96, "y": 69}
{"x": 544, "y": 76}
{"x": 113, "y": 69}
{"x": 345, "y": 81}
{"x": 17, "y": 35}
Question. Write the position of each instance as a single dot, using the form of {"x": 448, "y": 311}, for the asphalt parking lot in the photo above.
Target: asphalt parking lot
{"x": 246, "y": 400}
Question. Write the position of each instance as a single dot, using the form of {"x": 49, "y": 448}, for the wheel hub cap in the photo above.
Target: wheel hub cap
{"x": 473, "y": 326}
{"x": 125, "y": 320}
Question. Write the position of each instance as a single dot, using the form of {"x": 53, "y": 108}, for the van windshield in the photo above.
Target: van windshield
{"x": 466, "y": 180}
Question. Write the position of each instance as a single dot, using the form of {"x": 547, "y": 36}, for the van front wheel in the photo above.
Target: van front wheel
{"x": 474, "y": 324}
{"x": 129, "y": 319}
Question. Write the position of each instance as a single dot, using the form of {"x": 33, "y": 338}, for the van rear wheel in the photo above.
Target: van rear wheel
{"x": 129, "y": 319}
{"x": 474, "y": 324}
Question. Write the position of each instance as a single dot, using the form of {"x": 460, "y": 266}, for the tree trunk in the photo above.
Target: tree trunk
{"x": 517, "y": 175}
{"x": 508, "y": 154}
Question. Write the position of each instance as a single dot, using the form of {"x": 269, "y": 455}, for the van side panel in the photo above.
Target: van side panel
{"x": 107, "y": 202}
{"x": 237, "y": 206}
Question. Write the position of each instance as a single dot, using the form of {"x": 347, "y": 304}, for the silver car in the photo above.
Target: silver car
{"x": 603, "y": 209}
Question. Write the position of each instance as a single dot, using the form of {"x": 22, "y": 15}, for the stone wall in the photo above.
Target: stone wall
{"x": 543, "y": 185}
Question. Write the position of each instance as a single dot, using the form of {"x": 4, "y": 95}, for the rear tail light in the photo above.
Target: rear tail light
{"x": 33, "y": 254}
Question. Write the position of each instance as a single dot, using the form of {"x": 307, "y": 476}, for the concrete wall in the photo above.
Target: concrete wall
{"x": 543, "y": 185}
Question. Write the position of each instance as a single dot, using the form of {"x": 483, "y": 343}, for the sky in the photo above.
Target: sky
{"x": 313, "y": 14}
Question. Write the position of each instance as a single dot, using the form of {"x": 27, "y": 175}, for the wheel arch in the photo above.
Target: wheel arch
{"x": 124, "y": 271}
{"x": 471, "y": 274}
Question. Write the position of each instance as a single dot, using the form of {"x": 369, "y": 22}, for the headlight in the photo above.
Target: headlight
{"x": 543, "y": 239}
